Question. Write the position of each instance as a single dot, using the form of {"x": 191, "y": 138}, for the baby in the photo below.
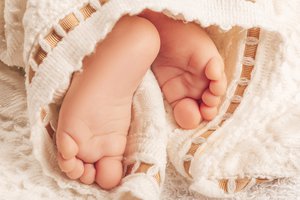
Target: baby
{"x": 95, "y": 115}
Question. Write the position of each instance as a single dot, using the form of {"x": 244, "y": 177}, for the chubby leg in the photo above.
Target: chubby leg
{"x": 95, "y": 115}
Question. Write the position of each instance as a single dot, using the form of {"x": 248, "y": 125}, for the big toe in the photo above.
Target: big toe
{"x": 109, "y": 172}
{"x": 186, "y": 113}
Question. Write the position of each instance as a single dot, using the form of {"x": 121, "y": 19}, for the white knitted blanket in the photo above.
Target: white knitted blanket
{"x": 254, "y": 139}
{"x": 21, "y": 175}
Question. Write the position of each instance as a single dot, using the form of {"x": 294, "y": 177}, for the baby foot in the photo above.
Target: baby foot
{"x": 189, "y": 69}
{"x": 95, "y": 115}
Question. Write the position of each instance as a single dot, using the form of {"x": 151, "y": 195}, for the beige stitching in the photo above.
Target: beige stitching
{"x": 157, "y": 178}
{"x": 143, "y": 168}
{"x": 223, "y": 185}
{"x": 194, "y": 147}
{"x": 87, "y": 11}
{"x": 31, "y": 74}
{"x": 240, "y": 90}
{"x": 251, "y": 51}
{"x": 53, "y": 38}
{"x": 40, "y": 55}
{"x": 246, "y": 73}
{"x": 240, "y": 184}
{"x": 68, "y": 23}
{"x": 232, "y": 107}
{"x": 263, "y": 180}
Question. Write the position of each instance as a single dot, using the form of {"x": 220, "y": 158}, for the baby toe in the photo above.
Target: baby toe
{"x": 218, "y": 87}
{"x": 187, "y": 114}
{"x": 208, "y": 113}
{"x": 88, "y": 176}
{"x": 214, "y": 69}
{"x": 210, "y": 99}
{"x": 66, "y": 145}
{"x": 109, "y": 172}
{"x": 66, "y": 165}
{"x": 78, "y": 170}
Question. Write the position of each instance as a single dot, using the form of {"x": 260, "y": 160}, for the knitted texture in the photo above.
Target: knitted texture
{"x": 258, "y": 141}
{"x": 22, "y": 176}
{"x": 12, "y": 32}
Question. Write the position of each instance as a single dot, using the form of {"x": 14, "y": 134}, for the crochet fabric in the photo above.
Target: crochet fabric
{"x": 253, "y": 140}
{"x": 22, "y": 177}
